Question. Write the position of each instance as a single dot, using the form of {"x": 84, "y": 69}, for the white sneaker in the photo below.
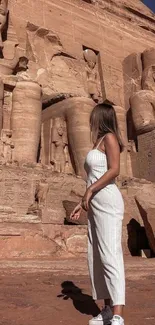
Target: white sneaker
{"x": 103, "y": 318}
{"x": 117, "y": 320}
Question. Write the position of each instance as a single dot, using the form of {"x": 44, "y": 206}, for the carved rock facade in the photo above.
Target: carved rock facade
{"x": 57, "y": 61}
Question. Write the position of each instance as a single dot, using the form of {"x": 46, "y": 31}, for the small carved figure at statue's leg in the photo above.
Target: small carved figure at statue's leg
{"x": 57, "y": 167}
{"x": 62, "y": 166}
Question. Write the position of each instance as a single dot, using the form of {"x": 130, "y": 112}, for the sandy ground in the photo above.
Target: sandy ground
{"x": 32, "y": 297}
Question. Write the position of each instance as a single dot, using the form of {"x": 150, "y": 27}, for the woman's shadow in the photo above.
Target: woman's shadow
{"x": 81, "y": 301}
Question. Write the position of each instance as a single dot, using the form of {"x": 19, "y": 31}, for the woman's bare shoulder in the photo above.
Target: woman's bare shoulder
{"x": 110, "y": 137}
{"x": 110, "y": 140}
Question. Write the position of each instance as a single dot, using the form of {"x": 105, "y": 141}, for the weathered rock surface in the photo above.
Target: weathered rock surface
{"x": 58, "y": 59}
{"x": 27, "y": 246}
{"x": 71, "y": 240}
{"x": 69, "y": 207}
{"x": 146, "y": 203}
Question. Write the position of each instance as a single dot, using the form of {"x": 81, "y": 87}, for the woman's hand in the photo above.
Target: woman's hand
{"x": 75, "y": 215}
{"x": 86, "y": 199}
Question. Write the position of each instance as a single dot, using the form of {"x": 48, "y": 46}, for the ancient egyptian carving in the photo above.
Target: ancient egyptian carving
{"x": 6, "y": 147}
{"x": 91, "y": 72}
{"x": 76, "y": 113}
{"x": 143, "y": 107}
{"x": 143, "y": 101}
{"x": 26, "y": 120}
{"x": 41, "y": 192}
{"x": 40, "y": 198}
{"x": 42, "y": 45}
{"x": 3, "y": 18}
{"x": 148, "y": 78}
{"x": 132, "y": 67}
{"x": 8, "y": 61}
{"x": 10, "y": 52}
{"x": 48, "y": 60}
{"x": 59, "y": 156}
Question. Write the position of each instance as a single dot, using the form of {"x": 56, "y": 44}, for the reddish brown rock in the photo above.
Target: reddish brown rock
{"x": 71, "y": 240}
{"x": 146, "y": 203}
{"x": 53, "y": 216}
{"x": 69, "y": 207}
{"x": 57, "y": 61}
{"x": 26, "y": 247}
{"x": 26, "y": 120}
{"x": 77, "y": 244}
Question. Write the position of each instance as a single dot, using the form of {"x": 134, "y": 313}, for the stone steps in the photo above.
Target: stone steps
{"x": 27, "y": 236}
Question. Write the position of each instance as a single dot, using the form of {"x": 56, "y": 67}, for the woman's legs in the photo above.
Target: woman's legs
{"x": 109, "y": 234}
{"x": 118, "y": 310}
{"x": 99, "y": 287}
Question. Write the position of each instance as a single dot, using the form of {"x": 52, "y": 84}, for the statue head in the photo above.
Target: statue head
{"x": 59, "y": 130}
{"x": 90, "y": 57}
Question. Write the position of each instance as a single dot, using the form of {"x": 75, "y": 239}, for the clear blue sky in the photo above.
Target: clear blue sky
{"x": 150, "y": 4}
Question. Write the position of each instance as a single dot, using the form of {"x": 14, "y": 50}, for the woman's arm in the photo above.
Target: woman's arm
{"x": 113, "y": 159}
{"x": 111, "y": 147}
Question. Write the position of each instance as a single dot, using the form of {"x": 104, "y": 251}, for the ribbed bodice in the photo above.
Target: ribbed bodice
{"x": 95, "y": 165}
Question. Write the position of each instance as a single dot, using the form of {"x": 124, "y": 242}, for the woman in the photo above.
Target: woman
{"x": 105, "y": 207}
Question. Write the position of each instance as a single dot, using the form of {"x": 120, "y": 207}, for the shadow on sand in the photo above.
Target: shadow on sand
{"x": 81, "y": 301}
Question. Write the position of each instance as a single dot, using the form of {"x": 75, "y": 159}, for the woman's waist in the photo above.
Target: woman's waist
{"x": 92, "y": 180}
{"x": 109, "y": 193}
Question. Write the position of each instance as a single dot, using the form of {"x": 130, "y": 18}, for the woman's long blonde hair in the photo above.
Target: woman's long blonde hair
{"x": 103, "y": 120}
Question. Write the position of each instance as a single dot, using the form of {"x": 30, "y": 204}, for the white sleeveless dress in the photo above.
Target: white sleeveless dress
{"x": 105, "y": 215}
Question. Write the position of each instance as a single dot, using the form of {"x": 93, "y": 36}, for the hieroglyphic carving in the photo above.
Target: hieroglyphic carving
{"x": 24, "y": 190}
{"x": 8, "y": 192}
{"x": 16, "y": 188}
